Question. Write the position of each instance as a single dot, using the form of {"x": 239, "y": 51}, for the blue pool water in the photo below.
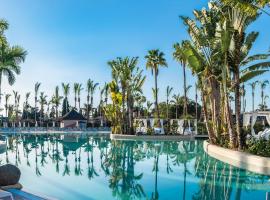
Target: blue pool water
{"x": 71, "y": 168}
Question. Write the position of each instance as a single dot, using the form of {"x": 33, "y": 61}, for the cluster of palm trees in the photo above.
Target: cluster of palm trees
{"x": 264, "y": 97}
{"x": 41, "y": 100}
{"x": 125, "y": 88}
{"x": 218, "y": 54}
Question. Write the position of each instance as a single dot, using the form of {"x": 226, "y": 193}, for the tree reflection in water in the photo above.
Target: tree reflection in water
{"x": 117, "y": 163}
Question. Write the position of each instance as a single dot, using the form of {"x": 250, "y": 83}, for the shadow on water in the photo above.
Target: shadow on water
{"x": 117, "y": 164}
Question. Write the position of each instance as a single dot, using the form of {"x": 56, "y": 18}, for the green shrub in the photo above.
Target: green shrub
{"x": 174, "y": 127}
{"x": 259, "y": 147}
{"x": 201, "y": 127}
{"x": 150, "y": 131}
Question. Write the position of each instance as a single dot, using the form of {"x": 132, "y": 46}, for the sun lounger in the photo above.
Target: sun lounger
{"x": 21, "y": 194}
{"x": 4, "y": 195}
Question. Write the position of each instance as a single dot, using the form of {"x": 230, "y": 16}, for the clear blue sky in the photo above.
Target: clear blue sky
{"x": 72, "y": 40}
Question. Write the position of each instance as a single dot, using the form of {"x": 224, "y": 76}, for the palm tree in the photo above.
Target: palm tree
{"x": 16, "y": 94}
{"x": 7, "y": 96}
{"x": 168, "y": 94}
{"x": 42, "y": 102}
{"x": 196, "y": 101}
{"x": 10, "y": 60}
{"x": 177, "y": 101}
{"x": 56, "y": 100}
{"x": 90, "y": 89}
{"x": 18, "y": 104}
{"x": 26, "y": 105}
{"x": 180, "y": 57}
{"x": 155, "y": 59}
{"x": 79, "y": 96}
{"x": 75, "y": 90}
{"x": 243, "y": 93}
{"x": 263, "y": 86}
{"x": 253, "y": 87}
{"x": 66, "y": 89}
{"x": 106, "y": 92}
{"x": 37, "y": 85}
{"x": 148, "y": 107}
{"x": 264, "y": 102}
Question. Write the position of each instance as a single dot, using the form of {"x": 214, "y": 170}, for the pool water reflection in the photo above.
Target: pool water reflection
{"x": 68, "y": 167}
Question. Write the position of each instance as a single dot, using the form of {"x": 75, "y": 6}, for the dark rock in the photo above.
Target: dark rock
{"x": 9, "y": 175}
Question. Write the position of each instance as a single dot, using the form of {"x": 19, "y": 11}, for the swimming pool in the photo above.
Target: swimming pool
{"x": 69, "y": 167}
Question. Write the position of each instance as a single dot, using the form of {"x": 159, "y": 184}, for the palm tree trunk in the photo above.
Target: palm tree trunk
{"x": 66, "y": 103}
{"x": 156, "y": 93}
{"x": 0, "y": 88}
{"x": 88, "y": 112}
{"x": 237, "y": 110}
{"x": 35, "y": 108}
{"x": 253, "y": 95}
{"x": 130, "y": 114}
{"x": 185, "y": 90}
{"x": 91, "y": 103}
{"x": 79, "y": 102}
{"x": 196, "y": 102}
{"x": 124, "y": 121}
{"x": 210, "y": 131}
{"x": 75, "y": 101}
{"x": 262, "y": 96}
{"x": 167, "y": 108}
{"x": 56, "y": 110}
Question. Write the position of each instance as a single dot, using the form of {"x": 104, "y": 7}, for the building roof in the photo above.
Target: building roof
{"x": 73, "y": 115}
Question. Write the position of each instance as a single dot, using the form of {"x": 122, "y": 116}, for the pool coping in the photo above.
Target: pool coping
{"x": 156, "y": 137}
{"x": 243, "y": 160}
{"x": 92, "y": 133}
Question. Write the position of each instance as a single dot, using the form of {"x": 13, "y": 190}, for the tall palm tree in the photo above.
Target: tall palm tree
{"x": 106, "y": 92}
{"x": 180, "y": 56}
{"x": 196, "y": 101}
{"x": 56, "y": 100}
{"x": 16, "y": 94}
{"x": 7, "y": 96}
{"x": 42, "y": 102}
{"x": 243, "y": 93}
{"x": 253, "y": 87}
{"x": 18, "y": 104}
{"x": 263, "y": 86}
{"x": 89, "y": 85}
{"x": 26, "y": 105}
{"x": 264, "y": 102}
{"x": 79, "y": 96}
{"x": 93, "y": 89}
{"x": 75, "y": 90}
{"x": 90, "y": 89}
{"x": 66, "y": 90}
{"x": 37, "y": 86}
{"x": 155, "y": 59}
{"x": 168, "y": 94}
{"x": 177, "y": 101}
{"x": 148, "y": 107}
{"x": 27, "y": 95}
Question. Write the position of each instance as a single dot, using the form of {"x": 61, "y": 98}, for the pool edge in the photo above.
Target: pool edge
{"x": 243, "y": 160}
